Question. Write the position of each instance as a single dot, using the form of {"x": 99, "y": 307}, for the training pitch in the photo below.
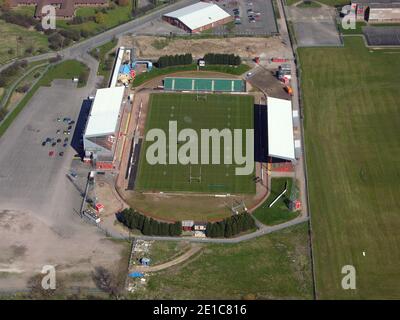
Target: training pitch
{"x": 352, "y": 108}
{"x": 196, "y": 111}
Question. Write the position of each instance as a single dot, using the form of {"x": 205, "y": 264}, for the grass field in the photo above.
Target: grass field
{"x": 163, "y": 251}
{"x": 112, "y": 18}
{"x": 68, "y": 69}
{"x": 18, "y": 39}
{"x": 275, "y": 266}
{"x": 352, "y": 121}
{"x": 279, "y": 212}
{"x": 218, "y": 111}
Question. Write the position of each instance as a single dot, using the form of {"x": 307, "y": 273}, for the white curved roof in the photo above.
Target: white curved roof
{"x": 280, "y": 129}
{"x": 199, "y": 14}
{"x": 103, "y": 117}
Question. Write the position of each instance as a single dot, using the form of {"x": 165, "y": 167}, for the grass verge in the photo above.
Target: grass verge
{"x": 280, "y": 211}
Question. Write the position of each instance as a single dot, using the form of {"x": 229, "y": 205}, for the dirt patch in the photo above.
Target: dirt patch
{"x": 28, "y": 244}
{"x": 246, "y": 47}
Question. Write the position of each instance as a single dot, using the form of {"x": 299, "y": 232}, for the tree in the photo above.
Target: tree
{"x": 6, "y": 5}
{"x": 105, "y": 281}
{"x": 146, "y": 227}
{"x": 99, "y": 18}
{"x": 123, "y": 3}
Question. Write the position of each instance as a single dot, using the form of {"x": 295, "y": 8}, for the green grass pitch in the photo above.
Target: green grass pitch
{"x": 352, "y": 120}
{"x": 214, "y": 111}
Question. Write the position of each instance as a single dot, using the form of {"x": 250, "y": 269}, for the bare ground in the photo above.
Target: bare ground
{"x": 246, "y": 47}
{"x": 27, "y": 244}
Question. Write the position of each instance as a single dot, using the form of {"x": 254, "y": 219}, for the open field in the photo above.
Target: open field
{"x": 15, "y": 40}
{"x": 68, "y": 69}
{"x": 279, "y": 212}
{"x": 271, "y": 267}
{"x": 163, "y": 251}
{"x": 209, "y": 111}
{"x": 112, "y": 18}
{"x": 352, "y": 120}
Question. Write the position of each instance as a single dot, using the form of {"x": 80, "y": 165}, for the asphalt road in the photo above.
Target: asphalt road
{"x": 133, "y": 26}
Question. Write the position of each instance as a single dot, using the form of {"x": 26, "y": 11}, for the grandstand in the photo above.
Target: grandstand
{"x": 204, "y": 84}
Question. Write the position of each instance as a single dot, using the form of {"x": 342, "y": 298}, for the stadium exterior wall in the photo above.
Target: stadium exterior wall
{"x": 176, "y": 22}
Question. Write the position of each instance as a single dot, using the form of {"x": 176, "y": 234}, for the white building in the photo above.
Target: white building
{"x": 280, "y": 129}
{"x": 198, "y": 17}
{"x": 102, "y": 127}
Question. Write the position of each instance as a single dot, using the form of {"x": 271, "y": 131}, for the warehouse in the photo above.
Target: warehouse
{"x": 377, "y": 11}
{"x": 102, "y": 128}
{"x": 280, "y": 129}
{"x": 198, "y": 17}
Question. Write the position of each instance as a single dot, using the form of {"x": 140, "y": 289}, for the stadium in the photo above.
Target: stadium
{"x": 229, "y": 136}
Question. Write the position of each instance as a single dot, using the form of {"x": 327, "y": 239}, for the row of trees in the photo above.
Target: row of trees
{"x": 222, "y": 58}
{"x": 230, "y": 226}
{"x": 148, "y": 226}
{"x": 21, "y": 20}
{"x": 8, "y": 73}
{"x": 176, "y": 60}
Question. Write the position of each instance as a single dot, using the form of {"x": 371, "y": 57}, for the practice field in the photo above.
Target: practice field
{"x": 352, "y": 114}
{"x": 197, "y": 112}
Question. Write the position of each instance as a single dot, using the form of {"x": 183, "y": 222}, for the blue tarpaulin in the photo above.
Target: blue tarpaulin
{"x": 136, "y": 275}
{"x": 125, "y": 69}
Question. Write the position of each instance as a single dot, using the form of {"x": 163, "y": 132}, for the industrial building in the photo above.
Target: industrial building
{"x": 198, "y": 17}
{"x": 102, "y": 128}
{"x": 377, "y": 11}
{"x": 64, "y": 8}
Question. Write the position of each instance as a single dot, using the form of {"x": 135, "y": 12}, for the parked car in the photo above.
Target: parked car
{"x": 61, "y": 153}
{"x": 65, "y": 145}
{"x": 53, "y": 144}
{"x": 69, "y": 127}
{"x": 58, "y": 140}
{"x": 71, "y": 122}
{"x": 44, "y": 143}
{"x": 51, "y": 153}
{"x": 66, "y": 139}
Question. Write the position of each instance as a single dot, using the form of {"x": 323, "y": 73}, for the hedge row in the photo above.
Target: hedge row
{"x": 176, "y": 60}
{"x": 230, "y": 226}
{"x": 148, "y": 226}
{"x": 222, "y": 58}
